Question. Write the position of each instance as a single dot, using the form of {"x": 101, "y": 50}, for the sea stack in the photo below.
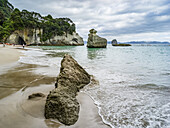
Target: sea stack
{"x": 94, "y": 41}
{"x": 114, "y": 42}
{"x": 61, "y": 102}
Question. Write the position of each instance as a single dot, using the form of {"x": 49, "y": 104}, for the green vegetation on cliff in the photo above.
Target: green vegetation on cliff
{"x": 5, "y": 8}
{"x": 13, "y": 19}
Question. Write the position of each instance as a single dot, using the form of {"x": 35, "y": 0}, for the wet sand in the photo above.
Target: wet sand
{"x": 89, "y": 117}
{"x": 21, "y": 76}
{"x": 17, "y": 111}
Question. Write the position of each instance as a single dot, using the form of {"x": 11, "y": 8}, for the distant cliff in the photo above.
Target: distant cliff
{"x": 32, "y": 37}
{"x": 32, "y": 28}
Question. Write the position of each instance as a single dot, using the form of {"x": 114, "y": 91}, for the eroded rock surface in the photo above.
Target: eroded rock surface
{"x": 61, "y": 103}
{"x": 31, "y": 37}
{"x": 94, "y": 41}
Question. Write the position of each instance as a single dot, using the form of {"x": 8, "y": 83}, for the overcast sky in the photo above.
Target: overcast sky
{"x": 124, "y": 20}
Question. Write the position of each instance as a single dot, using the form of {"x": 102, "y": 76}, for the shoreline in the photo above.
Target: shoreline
{"x": 88, "y": 115}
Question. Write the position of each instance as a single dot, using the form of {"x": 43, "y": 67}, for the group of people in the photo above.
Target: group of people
{"x": 23, "y": 45}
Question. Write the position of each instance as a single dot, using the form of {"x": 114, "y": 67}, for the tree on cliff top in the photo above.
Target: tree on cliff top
{"x": 6, "y": 8}
{"x": 11, "y": 24}
{"x": 2, "y": 18}
{"x": 32, "y": 20}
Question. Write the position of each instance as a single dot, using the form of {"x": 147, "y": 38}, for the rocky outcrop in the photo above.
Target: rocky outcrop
{"x": 26, "y": 36}
{"x": 61, "y": 103}
{"x": 32, "y": 37}
{"x": 66, "y": 40}
{"x": 94, "y": 41}
{"x": 122, "y": 45}
{"x": 36, "y": 95}
{"x": 114, "y": 42}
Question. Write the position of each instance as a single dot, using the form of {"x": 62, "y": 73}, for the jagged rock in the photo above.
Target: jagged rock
{"x": 114, "y": 42}
{"x": 94, "y": 41}
{"x": 36, "y": 95}
{"x": 61, "y": 103}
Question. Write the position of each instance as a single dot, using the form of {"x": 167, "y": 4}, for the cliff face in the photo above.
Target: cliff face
{"x": 26, "y": 36}
{"x": 68, "y": 39}
{"x": 32, "y": 37}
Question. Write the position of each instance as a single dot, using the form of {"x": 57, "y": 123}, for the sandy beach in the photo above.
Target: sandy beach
{"x": 8, "y": 54}
{"x": 19, "y": 82}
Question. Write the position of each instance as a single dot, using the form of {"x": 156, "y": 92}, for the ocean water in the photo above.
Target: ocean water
{"x": 134, "y": 82}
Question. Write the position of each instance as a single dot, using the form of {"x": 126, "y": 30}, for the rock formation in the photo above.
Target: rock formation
{"x": 114, "y": 42}
{"x": 66, "y": 40}
{"x": 94, "y": 41}
{"x": 32, "y": 37}
{"x": 26, "y": 36}
{"x": 36, "y": 95}
{"x": 61, "y": 103}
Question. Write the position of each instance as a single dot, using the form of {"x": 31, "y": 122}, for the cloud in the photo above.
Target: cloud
{"x": 111, "y": 18}
{"x": 162, "y": 18}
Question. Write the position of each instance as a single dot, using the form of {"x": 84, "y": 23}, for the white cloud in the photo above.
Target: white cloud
{"x": 151, "y": 36}
{"x": 111, "y": 18}
{"x": 163, "y": 18}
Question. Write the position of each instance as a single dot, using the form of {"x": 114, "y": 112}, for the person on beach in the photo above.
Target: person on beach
{"x": 3, "y": 44}
{"x": 23, "y": 45}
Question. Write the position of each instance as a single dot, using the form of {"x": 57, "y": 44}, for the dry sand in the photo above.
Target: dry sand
{"x": 8, "y": 54}
{"x": 18, "y": 112}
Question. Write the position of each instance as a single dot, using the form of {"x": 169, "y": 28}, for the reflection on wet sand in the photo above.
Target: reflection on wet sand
{"x": 19, "y": 77}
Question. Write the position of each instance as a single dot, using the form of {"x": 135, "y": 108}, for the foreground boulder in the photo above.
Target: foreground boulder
{"x": 61, "y": 103}
{"x": 94, "y": 41}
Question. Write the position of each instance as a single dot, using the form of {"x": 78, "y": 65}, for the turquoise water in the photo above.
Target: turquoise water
{"x": 134, "y": 82}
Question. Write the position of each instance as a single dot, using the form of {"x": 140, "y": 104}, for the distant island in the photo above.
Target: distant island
{"x": 143, "y": 42}
{"x": 115, "y": 43}
{"x": 24, "y": 27}
{"x": 147, "y": 42}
